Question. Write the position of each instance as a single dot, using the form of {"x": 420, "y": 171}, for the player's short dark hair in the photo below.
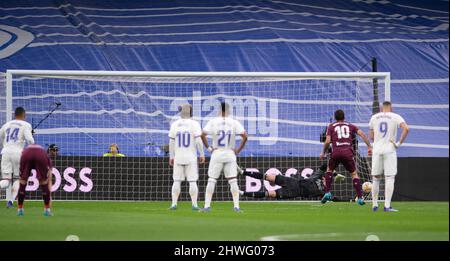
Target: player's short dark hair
{"x": 52, "y": 147}
{"x": 387, "y": 103}
{"x": 339, "y": 115}
{"x": 224, "y": 107}
{"x": 20, "y": 111}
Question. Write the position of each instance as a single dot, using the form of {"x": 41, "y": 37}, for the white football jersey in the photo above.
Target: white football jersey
{"x": 223, "y": 131}
{"x": 14, "y": 134}
{"x": 185, "y": 132}
{"x": 385, "y": 126}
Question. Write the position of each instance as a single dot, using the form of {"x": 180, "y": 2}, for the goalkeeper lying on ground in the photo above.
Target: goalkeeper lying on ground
{"x": 291, "y": 187}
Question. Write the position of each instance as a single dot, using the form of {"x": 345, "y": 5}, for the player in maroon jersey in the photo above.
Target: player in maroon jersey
{"x": 340, "y": 134}
{"x": 35, "y": 157}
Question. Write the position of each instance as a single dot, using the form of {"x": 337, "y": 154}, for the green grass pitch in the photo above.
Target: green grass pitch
{"x": 260, "y": 220}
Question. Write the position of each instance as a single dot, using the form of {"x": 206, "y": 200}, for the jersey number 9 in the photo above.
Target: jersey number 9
{"x": 383, "y": 128}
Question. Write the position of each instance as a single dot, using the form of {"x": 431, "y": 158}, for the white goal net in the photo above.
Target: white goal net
{"x": 283, "y": 113}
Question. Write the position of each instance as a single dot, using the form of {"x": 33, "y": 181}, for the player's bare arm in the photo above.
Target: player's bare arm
{"x": 326, "y": 145}
{"x": 199, "y": 145}
{"x": 371, "y": 134}
{"x": 2, "y": 136}
{"x": 204, "y": 139}
{"x": 29, "y": 136}
{"x": 242, "y": 144}
{"x": 405, "y": 131}
{"x": 171, "y": 151}
{"x": 366, "y": 140}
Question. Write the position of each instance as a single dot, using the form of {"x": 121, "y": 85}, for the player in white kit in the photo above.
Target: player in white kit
{"x": 13, "y": 136}
{"x": 184, "y": 143}
{"x": 383, "y": 131}
{"x": 223, "y": 131}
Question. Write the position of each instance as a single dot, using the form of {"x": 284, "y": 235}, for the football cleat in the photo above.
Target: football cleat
{"x": 20, "y": 212}
{"x": 174, "y": 207}
{"x": 237, "y": 210}
{"x": 9, "y": 204}
{"x": 390, "y": 209}
{"x": 194, "y": 208}
{"x": 375, "y": 209}
{"x": 206, "y": 210}
{"x": 48, "y": 212}
{"x": 361, "y": 202}
{"x": 326, "y": 197}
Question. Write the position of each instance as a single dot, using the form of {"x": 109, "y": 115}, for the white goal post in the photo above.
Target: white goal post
{"x": 285, "y": 112}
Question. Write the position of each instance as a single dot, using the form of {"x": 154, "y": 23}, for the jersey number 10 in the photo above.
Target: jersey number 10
{"x": 184, "y": 139}
{"x": 342, "y": 131}
{"x": 12, "y": 135}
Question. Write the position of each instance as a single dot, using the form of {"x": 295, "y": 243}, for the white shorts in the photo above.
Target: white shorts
{"x": 215, "y": 169}
{"x": 10, "y": 165}
{"x": 187, "y": 172}
{"x": 384, "y": 164}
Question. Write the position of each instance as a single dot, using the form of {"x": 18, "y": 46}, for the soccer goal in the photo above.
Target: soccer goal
{"x": 284, "y": 113}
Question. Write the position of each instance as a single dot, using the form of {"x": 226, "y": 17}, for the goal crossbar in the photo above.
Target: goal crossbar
{"x": 386, "y": 76}
{"x": 379, "y": 75}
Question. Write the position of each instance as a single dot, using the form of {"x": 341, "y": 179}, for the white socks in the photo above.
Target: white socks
{"x": 6, "y": 184}
{"x": 375, "y": 190}
{"x": 15, "y": 189}
{"x": 193, "y": 192}
{"x": 234, "y": 188}
{"x": 176, "y": 189}
{"x": 209, "y": 192}
{"x": 9, "y": 194}
{"x": 388, "y": 190}
{"x": 11, "y": 189}
{"x": 210, "y": 187}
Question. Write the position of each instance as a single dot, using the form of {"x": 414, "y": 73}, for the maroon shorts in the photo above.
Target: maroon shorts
{"x": 34, "y": 158}
{"x": 344, "y": 157}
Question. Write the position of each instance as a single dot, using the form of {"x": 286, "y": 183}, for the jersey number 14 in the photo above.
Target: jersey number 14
{"x": 12, "y": 135}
